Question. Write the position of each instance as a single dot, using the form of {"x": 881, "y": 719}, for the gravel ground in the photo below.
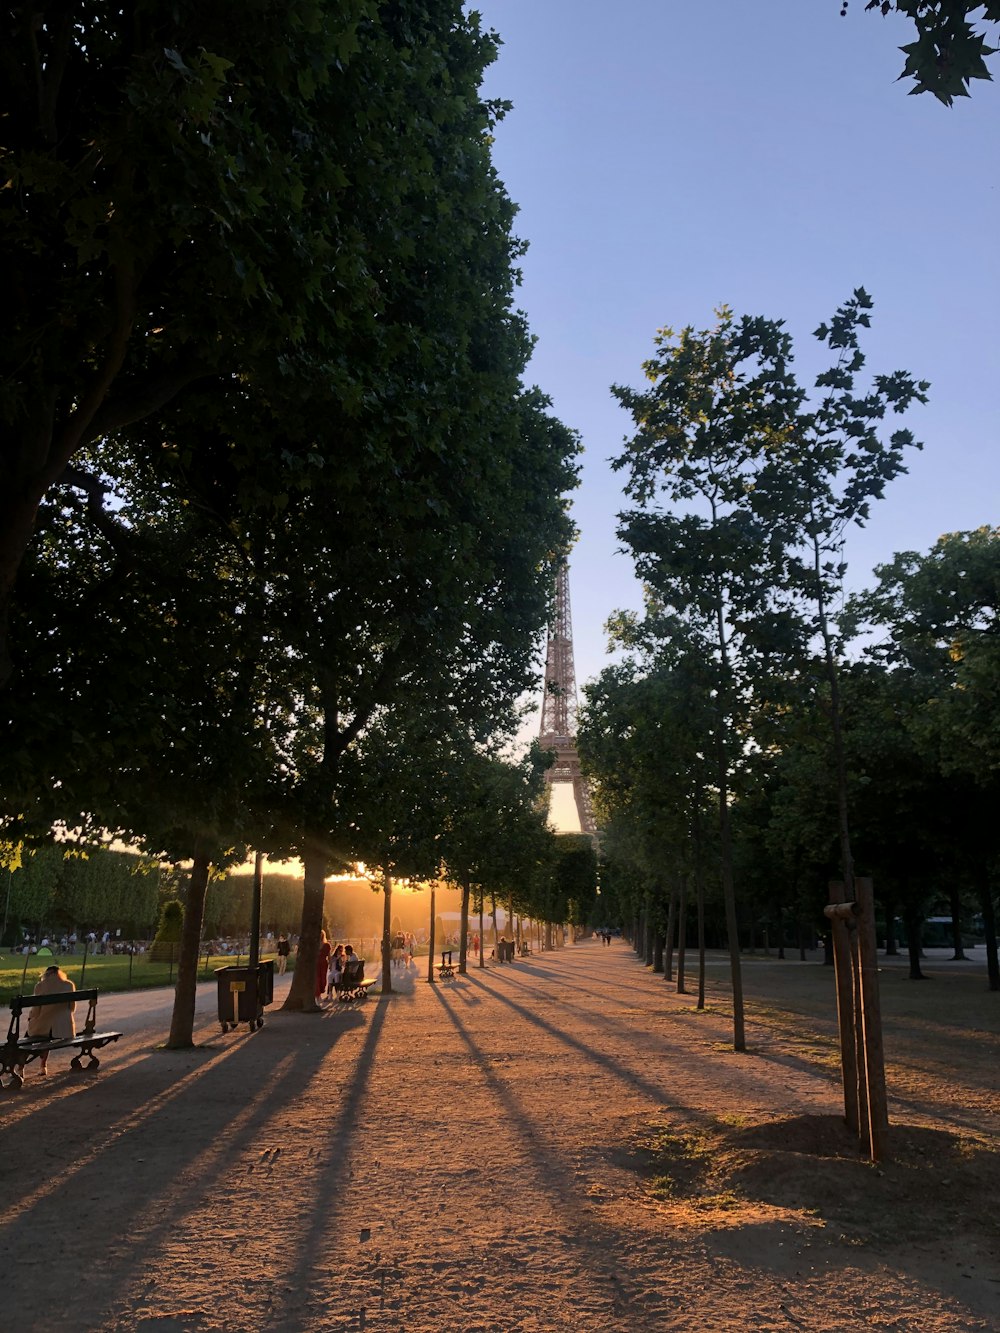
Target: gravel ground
{"x": 563, "y": 1143}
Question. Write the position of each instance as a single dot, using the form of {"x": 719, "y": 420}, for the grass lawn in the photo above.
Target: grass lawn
{"x": 106, "y": 972}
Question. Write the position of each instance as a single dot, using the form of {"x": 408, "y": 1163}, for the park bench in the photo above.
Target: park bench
{"x": 19, "y": 1051}
{"x": 446, "y": 968}
{"x": 353, "y": 985}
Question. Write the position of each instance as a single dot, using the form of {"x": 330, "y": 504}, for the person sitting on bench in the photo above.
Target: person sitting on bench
{"x": 354, "y": 968}
{"x": 54, "y": 1021}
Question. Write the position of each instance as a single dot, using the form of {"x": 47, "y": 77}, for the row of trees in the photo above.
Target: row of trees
{"x": 742, "y": 739}
{"x": 282, "y": 516}
{"x": 82, "y": 891}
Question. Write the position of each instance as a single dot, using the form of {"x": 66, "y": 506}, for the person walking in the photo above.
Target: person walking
{"x": 284, "y": 950}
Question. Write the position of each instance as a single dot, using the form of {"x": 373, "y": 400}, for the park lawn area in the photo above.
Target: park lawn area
{"x": 106, "y": 972}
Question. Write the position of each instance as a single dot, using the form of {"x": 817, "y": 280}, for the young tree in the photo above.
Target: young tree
{"x": 821, "y": 479}
{"x": 719, "y": 401}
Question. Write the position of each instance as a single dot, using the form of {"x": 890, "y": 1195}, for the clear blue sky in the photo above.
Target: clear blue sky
{"x": 671, "y": 155}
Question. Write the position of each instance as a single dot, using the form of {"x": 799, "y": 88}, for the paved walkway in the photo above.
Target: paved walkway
{"x": 473, "y": 1156}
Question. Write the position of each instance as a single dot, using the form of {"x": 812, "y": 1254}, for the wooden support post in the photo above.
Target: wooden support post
{"x": 845, "y": 1007}
{"x": 857, "y": 1013}
{"x": 878, "y": 1106}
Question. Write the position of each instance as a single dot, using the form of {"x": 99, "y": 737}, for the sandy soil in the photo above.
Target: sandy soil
{"x": 560, "y": 1144}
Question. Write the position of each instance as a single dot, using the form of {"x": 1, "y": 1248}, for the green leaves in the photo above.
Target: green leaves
{"x": 948, "y": 52}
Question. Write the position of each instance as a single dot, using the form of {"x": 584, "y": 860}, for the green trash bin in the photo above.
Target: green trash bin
{"x": 244, "y": 994}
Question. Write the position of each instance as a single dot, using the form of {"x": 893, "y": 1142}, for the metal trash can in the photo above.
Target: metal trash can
{"x": 244, "y": 994}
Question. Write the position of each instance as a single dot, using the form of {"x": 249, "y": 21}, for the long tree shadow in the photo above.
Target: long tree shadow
{"x": 231, "y": 1112}
{"x": 595, "y": 1243}
{"x": 332, "y": 1160}
{"x": 620, "y": 1031}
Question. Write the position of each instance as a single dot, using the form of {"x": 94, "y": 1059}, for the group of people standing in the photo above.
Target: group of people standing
{"x": 401, "y": 948}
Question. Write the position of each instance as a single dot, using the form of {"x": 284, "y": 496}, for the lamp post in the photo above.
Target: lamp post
{"x": 6, "y": 910}
{"x": 430, "y": 952}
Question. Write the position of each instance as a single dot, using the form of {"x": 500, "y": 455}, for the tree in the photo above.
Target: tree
{"x": 937, "y": 618}
{"x": 643, "y": 738}
{"x": 820, "y": 478}
{"x": 771, "y": 482}
{"x": 948, "y": 52}
{"x": 168, "y": 931}
{"x": 495, "y": 834}
{"x": 173, "y": 213}
{"x": 355, "y": 464}
{"x": 718, "y": 403}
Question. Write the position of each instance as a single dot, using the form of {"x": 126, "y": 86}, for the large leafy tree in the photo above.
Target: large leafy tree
{"x": 936, "y": 620}
{"x": 173, "y": 211}
{"x": 157, "y": 715}
{"x": 387, "y": 494}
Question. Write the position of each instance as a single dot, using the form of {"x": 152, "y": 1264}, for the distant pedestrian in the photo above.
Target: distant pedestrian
{"x": 284, "y": 950}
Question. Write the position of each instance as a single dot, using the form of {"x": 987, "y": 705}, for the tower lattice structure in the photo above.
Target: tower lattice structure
{"x": 557, "y": 731}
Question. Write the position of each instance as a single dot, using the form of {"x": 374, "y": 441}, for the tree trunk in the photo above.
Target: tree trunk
{"x": 681, "y": 933}
{"x": 956, "y": 924}
{"x": 18, "y": 515}
{"x": 914, "y": 921}
{"x": 668, "y": 953}
{"x": 301, "y": 996}
{"x": 387, "y": 934}
{"x": 482, "y": 930}
{"x": 430, "y": 939}
{"x": 990, "y": 928}
{"x": 648, "y": 934}
{"x": 463, "y": 936}
{"x": 658, "y": 943}
{"x": 729, "y": 898}
{"x": 182, "y": 1019}
{"x": 700, "y": 896}
{"x": 889, "y": 907}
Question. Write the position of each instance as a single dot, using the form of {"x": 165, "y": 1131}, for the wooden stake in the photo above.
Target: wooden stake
{"x": 845, "y": 1010}
{"x": 878, "y": 1105}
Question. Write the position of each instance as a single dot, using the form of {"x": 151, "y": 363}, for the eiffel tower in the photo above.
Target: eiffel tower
{"x": 558, "y": 726}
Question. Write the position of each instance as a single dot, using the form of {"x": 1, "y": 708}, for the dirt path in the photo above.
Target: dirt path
{"x": 560, "y": 1144}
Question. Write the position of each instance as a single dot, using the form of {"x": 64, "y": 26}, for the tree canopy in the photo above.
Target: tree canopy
{"x": 949, "y": 51}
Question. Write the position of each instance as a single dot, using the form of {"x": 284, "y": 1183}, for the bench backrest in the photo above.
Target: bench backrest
{"x": 19, "y": 1003}
{"x": 354, "y": 969}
